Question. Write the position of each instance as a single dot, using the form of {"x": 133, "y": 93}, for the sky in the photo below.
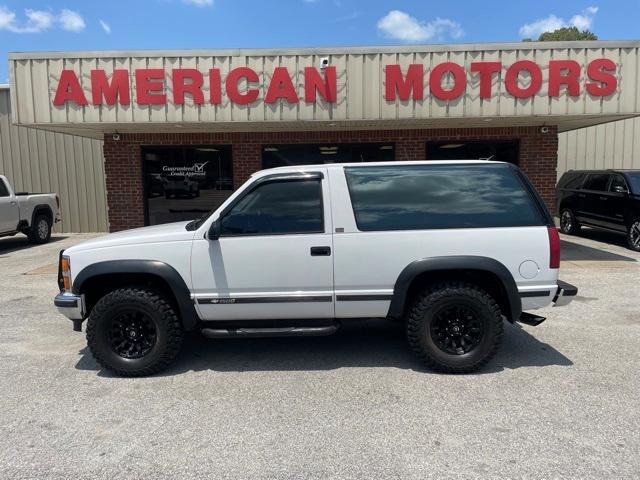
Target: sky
{"x": 32, "y": 25}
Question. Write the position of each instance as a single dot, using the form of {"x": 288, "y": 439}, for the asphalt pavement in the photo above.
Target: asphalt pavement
{"x": 561, "y": 400}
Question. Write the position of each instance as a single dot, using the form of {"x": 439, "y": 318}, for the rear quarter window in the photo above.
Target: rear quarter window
{"x": 571, "y": 181}
{"x": 416, "y": 197}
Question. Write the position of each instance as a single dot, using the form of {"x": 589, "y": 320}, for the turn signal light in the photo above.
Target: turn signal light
{"x": 65, "y": 270}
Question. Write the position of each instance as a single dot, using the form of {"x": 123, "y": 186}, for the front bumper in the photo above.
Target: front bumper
{"x": 71, "y": 306}
{"x": 564, "y": 294}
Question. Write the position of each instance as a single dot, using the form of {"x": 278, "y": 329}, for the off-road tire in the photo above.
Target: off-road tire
{"x": 40, "y": 231}
{"x": 421, "y": 314}
{"x": 570, "y": 227}
{"x": 632, "y": 234}
{"x": 169, "y": 332}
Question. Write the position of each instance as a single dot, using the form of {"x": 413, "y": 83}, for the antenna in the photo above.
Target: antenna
{"x": 487, "y": 159}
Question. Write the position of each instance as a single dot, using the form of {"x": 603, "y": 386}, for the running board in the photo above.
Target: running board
{"x": 531, "y": 319}
{"x": 269, "y": 332}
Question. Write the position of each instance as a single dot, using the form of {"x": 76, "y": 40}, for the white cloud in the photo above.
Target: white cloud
{"x": 71, "y": 21}
{"x": 199, "y": 3}
{"x": 402, "y": 26}
{"x": 36, "y": 21}
{"x": 582, "y": 21}
{"x": 105, "y": 26}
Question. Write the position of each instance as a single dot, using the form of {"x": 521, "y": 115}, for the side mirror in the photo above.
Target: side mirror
{"x": 214, "y": 230}
{"x": 620, "y": 189}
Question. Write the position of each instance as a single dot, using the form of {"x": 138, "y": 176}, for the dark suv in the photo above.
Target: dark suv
{"x": 606, "y": 199}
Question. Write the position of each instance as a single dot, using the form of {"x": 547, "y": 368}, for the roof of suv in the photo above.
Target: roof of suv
{"x": 380, "y": 164}
{"x": 607, "y": 170}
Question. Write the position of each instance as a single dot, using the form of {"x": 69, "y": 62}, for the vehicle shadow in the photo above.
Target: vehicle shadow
{"x": 20, "y": 242}
{"x": 576, "y": 251}
{"x": 365, "y": 344}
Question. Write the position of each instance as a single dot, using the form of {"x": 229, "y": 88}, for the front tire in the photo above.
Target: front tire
{"x": 134, "y": 332}
{"x": 454, "y": 327}
{"x": 40, "y": 231}
{"x": 633, "y": 235}
{"x": 568, "y": 223}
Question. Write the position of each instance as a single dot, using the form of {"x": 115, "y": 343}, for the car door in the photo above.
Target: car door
{"x": 9, "y": 210}
{"x": 617, "y": 202}
{"x": 273, "y": 255}
{"x": 595, "y": 197}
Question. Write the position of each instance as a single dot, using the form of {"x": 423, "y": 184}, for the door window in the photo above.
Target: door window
{"x": 618, "y": 185}
{"x": 597, "y": 182}
{"x": 4, "y": 192}
{"x": 277, "y": 208}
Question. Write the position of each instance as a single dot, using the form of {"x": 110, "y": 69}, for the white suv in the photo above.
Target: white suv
{"x": 449, "y": 248}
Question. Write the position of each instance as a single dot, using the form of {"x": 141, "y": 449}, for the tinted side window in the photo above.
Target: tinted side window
{"x": 3, "y": 189}
{"x": 574, "y": 181}
{"x": 277, "y": 208}
{"x": 416, "y": 197}
{"x": 597, "y": 181}
{"x": 618, "y": 185}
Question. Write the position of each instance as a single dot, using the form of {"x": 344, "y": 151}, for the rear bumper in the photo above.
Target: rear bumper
{"x": 70, "y": 305}
{"x": 564, "y": 294}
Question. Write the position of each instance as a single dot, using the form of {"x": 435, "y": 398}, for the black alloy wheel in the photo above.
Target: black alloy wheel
{"x": 568, "y": 223}
{"x": 456, "y": 329}
{"x": 132, "y": 334}
{"x": 633, "y": 235}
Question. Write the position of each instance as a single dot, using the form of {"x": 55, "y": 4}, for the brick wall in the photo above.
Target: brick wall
{"x": 123, "y": 161}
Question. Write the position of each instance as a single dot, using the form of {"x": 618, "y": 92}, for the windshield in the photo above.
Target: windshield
{"x": 634, "y": 180}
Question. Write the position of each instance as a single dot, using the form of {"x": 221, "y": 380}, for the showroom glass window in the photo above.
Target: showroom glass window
{"x": 313, "y": 154}
{"x": 185, "y": 182}
{"x": 498, "y": 150}
{"x": 414, "y": 197}
{"x": 277, "y": 208}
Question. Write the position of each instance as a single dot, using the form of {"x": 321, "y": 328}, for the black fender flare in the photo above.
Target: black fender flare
{"x": 154, "y": 268}
{"x": 452, "y": 263}
{"x": 38, "y": 209}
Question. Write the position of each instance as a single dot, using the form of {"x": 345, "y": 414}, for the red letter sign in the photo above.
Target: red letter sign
{"x": 564, "y": 72}
{"x": 194, "y": 87}
{"x": 459, "y": 81}
{"x": 314, "y": 83}
{"x": 69, "y": 89}
{"x": 215, "y": 86}
{"x": 233, "y": 78}
{"x": 281, "y": 86}
{"x": 149, "y": 81}
{"x": 486, "y": 71}
{"x": 118, "y": 89}
{"x": 511, "y": 79}
{"x": 607, "y": 83}
{"x": 404, "y": 86}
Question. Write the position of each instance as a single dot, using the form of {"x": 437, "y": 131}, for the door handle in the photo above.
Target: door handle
{"x": 603, "y": 198}
{"x": 320, "y": 251}
{"x": 581, "y": 195}
{"x": 12, "y": 202}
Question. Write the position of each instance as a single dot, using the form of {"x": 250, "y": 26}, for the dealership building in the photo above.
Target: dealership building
{"x": 180, "y": 130}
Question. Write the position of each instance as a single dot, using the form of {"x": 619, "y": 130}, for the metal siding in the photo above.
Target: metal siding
{"x": 39, "y": 161}
{"x": 611, "y": 145}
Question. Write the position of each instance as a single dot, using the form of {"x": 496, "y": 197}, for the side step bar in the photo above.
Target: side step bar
{"x": 269, "y": 332}
{"x": 531, "y": 319}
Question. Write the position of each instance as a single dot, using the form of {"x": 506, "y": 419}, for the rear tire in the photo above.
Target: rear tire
{"x": 633, "y": 235}
{"x": 568, "y": 223}
{"x": 40, "y": 231}
{"x": 454, "y": 327}
{"x": 134, "y": 332}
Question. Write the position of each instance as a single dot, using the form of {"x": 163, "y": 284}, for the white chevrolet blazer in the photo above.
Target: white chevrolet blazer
{"x": 451, "y": 249}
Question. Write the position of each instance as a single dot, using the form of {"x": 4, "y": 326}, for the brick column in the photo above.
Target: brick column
{"x": 410, "y": 148}
{"x": 539, "y": 160}
{"x": 247, "y": 159}
{"x": 125, "y": 191}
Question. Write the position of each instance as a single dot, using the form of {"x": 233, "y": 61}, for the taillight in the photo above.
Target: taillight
{"x": 554, "y": 247}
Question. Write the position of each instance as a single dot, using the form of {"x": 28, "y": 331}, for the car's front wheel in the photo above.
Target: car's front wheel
{"x": 454, "y": 327}
{"x": 568, "y": 223}
{"x": 633, "y": 235}
{"x": 134, "y": 332}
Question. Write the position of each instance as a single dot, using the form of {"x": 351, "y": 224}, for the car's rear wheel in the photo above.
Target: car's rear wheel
{"x": 454, "y": 327}
{"x": 40, "y": 231}
{"x": 633, "y": 235}
{"x": 568, "y": 223}
{"x": 134, "y": 332}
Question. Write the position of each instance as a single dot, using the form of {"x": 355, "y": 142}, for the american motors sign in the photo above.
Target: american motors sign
{"x": 243, "y": 86}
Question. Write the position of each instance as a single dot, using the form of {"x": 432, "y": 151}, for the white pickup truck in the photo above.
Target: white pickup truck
{"x": 30, "y": 213}
{"x": 449, "y": 249}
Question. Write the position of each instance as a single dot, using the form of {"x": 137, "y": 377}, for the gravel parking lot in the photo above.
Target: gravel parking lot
{"x": 560, "y": 400}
